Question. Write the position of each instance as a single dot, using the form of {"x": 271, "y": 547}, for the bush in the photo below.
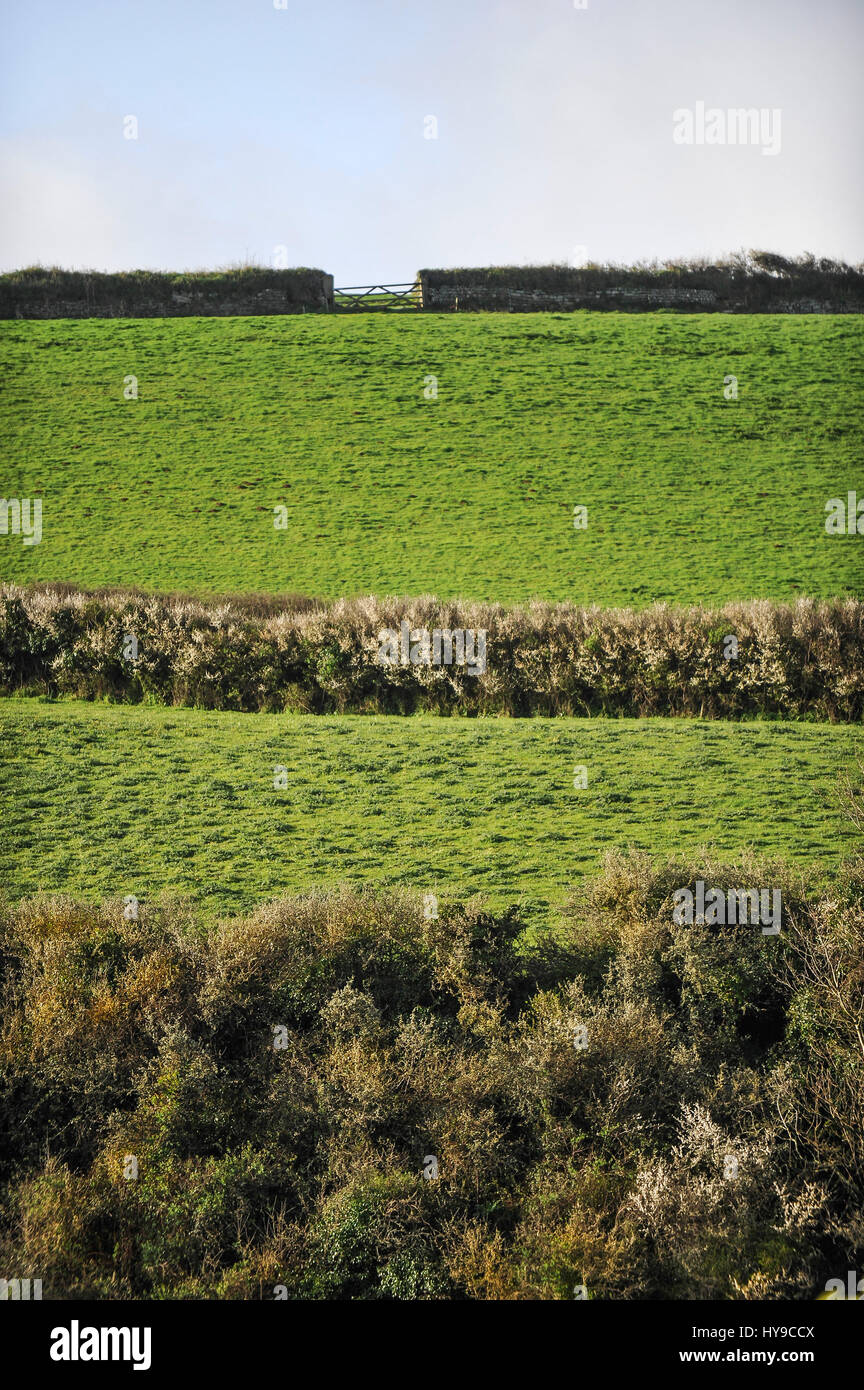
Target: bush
{"x": 282, "y": 1081}
{"x": 802, "y": 660}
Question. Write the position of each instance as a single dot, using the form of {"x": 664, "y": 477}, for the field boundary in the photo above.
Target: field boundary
{"x": 749, "y": 282}
{"x": 753, "y": 282}
{"x": 52, "y": 293}
{"x": 802, "y": 660}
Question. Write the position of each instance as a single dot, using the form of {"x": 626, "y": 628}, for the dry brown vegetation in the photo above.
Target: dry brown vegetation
{"x": 796, "y": 660}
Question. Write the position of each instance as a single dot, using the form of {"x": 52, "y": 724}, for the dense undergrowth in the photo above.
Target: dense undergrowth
{"x": 798, "y": 660}
{"x": 297, "y": 1170}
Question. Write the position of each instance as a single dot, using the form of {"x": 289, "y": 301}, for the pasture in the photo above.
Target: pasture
{"x": 105, "y": 800}
{"x": 389, "y": 488}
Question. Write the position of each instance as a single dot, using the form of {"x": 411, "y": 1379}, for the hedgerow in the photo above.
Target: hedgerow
{"x": 802, "y": 660}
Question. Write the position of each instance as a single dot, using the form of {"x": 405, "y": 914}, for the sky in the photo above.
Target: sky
{"x": 301, "y": 135}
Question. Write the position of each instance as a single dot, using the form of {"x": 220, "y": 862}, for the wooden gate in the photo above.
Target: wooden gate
{"x": 386, "y": 298}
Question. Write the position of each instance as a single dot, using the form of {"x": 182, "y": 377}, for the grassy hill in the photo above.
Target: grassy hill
{"x": 405, "y": 1037}
{"x": 108, "y": 800}
{"x": 690, "y": 497}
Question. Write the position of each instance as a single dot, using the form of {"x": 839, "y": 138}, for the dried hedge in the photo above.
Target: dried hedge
{"x": 801, "y": 660}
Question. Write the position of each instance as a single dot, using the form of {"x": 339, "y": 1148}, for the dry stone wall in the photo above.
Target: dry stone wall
{"x": 48, "y": 294}
{"x": 533, "y": 289}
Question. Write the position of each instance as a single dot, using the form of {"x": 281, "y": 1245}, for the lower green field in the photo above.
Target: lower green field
{"x": 438, "y": 453}
{"x": 102, "y": 801}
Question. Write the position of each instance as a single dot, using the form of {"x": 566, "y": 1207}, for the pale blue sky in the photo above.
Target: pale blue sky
{"x": 304, "y": 128}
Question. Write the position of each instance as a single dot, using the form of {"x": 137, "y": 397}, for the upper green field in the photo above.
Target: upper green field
{"x": 690, "y": 497}
{"x": 108, "y": 800}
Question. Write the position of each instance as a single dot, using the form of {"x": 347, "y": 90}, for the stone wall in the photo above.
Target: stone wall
{"x": 49, "y": 294}
{"x": 534, "y": 289}
{"x": 55, "y": 294}
{"x": 468, "y": 296}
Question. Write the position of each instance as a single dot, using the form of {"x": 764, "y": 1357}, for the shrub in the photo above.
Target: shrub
{"x": 803, "y": 660}
{"x": 282, "y": 1081}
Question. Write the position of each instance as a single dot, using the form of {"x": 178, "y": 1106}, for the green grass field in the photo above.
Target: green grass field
{"x": 690, "y": 497}
{"x": 106, "y": 800}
